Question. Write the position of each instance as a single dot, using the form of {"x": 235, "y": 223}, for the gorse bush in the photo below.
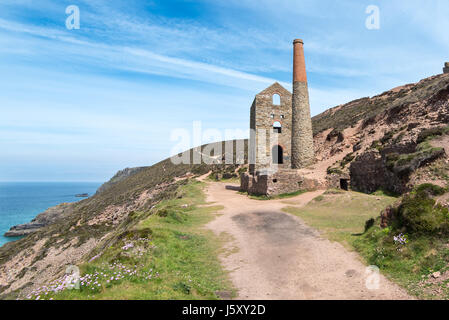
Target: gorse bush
{"x": 430, "y": 189}
{"x": 420, "y": 214}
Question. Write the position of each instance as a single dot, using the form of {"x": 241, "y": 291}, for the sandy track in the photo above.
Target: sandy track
{"x": 279, "y": 257}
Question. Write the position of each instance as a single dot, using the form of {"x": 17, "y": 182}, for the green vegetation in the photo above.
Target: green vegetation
{"x": 167, "y": 255}
{"x": 279, "y": 196}
{"x": 228, "y": 178}
{"x": 412, "y": 248}
{"x": 333, "y": 170}
{"x": 340, "y": 215}
{"x": 347, "y": 159}
{"x": 334, "y": 191}
{"x": 376, "y": 144}
{"x": 414, "y": 245}
{"x": 439, "y": 170}
{"x": 367, "y": 109}
{"x": 404, "y": 164}
{"x": 431, "y": 133}
{"x": 383, "y": 192}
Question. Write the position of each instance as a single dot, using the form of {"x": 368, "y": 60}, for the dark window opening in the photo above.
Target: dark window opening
{"x": 344, "y": 184}
{"x": 277, "y": 127}
{"x": 278, "y": 154}
{"x": 275, "y": 180}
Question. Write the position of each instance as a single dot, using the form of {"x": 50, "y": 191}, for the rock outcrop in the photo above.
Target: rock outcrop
{"x": 43, "y": 219}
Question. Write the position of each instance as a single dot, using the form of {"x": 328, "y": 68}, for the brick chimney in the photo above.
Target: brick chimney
{"x": 303, "y": 154}
{"x": 446, "y": 68}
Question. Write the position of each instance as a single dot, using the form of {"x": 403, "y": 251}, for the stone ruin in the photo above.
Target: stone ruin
{"x": 281, "y": 139}
{"x": 446, "y": 68}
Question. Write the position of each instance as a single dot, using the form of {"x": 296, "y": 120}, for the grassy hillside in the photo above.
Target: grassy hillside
{"x": 94, "y": 225}
{"x": 129, "y": 206}
{"x": 166, "y": 255}
{"x": 367, "y": 109}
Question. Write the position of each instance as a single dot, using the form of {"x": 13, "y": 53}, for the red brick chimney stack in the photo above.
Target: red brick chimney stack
{"x": 299, "y": 62}
{"x": 303, "y": 153}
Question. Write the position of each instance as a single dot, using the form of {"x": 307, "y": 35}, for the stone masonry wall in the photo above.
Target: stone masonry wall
{"x": 303, "y": 153}
{"x": 281, "y": 182}
{"x": 446, "y": 68}
{"x": 263, "y": 115}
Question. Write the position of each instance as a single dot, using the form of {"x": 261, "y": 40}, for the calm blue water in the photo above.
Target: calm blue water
{"x": 20, "y": 202}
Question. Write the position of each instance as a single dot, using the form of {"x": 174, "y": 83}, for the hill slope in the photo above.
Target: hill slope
{"x": 355, "y": 140}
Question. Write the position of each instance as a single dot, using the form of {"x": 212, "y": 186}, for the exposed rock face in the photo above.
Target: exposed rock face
{"x": 375, "y": 170}
{"x": 43, "y": 219}
{"x": 368, "y": 172}
{"x": 389, "y": 146}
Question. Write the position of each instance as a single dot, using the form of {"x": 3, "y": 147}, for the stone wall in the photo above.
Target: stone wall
{"x": 263, "y": 115}
{"x": 302, "y": 140}
{"x": 446, "y": 68}
{"x": 275, "y": 183}
{"x": 334, "y": 180}
{"x": 368, "y": 172}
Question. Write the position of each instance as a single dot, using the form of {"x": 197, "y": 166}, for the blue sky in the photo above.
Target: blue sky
{"x": 78, "y": 105}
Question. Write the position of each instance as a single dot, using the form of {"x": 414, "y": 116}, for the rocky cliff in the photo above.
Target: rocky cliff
{"x": 387, "y": 141}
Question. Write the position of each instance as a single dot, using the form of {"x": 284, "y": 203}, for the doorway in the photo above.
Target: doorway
{"x": 344, "y": 184}
{"x": 278, "y": 154}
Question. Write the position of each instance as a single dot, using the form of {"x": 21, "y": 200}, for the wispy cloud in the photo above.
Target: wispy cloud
{"x": 135, "y": 70}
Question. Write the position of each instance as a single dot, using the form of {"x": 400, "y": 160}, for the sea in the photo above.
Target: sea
{"x": 20, "y": 202}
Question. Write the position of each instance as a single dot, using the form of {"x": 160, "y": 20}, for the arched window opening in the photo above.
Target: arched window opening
{"x": 276, "y": 99}
{"x": 277, "y": 127}
{"x": 277, "y": 154}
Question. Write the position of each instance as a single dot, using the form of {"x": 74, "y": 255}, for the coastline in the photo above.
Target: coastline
{"x": 23, "y": 202}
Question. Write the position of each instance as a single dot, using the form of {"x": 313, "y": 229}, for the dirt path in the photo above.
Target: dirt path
{"x": 279, "y": 257}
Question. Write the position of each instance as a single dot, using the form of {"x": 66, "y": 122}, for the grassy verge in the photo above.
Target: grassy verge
{"x": 413, "y": 251}
{"x": 341, "y": 216}
{"x": 279, "y": 196}
{"x": 167, "y": 255}
{"x": 414, "y": 248}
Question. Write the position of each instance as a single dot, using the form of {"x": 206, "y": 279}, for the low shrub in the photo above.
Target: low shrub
{"x": 431, "y": 132}
{"x": 430, "y": 189}
{"x": 419, "y": 214}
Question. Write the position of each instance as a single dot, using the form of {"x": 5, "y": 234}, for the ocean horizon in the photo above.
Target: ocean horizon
{"x": 21, "y": 202}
